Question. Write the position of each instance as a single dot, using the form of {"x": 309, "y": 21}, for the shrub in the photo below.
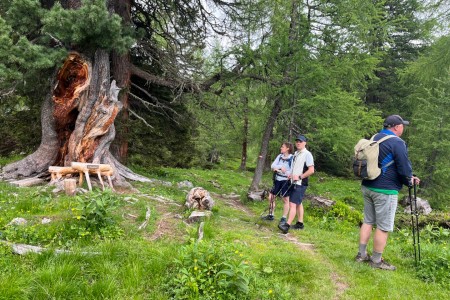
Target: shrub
{"x": 208, "y": 271}
{"x": 434, "y": 265}
{"x": 93, "y": 214}
{"x": 342, "y": 211}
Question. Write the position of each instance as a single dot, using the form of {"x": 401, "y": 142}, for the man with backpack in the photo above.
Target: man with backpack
{"x": 381, "y": 194}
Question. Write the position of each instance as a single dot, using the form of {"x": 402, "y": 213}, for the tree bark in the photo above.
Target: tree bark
{"x": 120, "y": 69}
{"x": 243, "y": 165}
{"x": 293, "y": 28}
{"x": 265, "y": 144}
{"x": 77, "y": 120}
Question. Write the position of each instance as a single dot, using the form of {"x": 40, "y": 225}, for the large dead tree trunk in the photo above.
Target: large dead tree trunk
{"x": 77, "y": 120}
{"x": 120, "y": 70}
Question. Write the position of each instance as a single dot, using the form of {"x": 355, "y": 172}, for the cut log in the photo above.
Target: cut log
{"x": 321, "y": 202}
{"x": 197, "y": 216}
{"x": 90, "y": 168}
{"x": 27, "y": 182}
{"x": 58, "y": 172}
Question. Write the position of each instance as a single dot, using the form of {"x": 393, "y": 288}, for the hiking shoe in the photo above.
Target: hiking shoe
{"x": 268, "y": 218}
{"x": 382, "y": 265}
{"x": 282, "y": 220}
{"x": 298, "y": 226}
{"x": 284, "y": 227}
{"x": 359, "y": 258}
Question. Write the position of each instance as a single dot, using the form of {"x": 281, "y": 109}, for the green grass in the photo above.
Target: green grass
{"x": 121, "y": 262}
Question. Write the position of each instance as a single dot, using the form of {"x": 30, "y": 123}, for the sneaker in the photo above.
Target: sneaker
{"x": 382, "y": 265}
{"x": 284, "y": 227}
{"x": 282, "y": 220}
{"x": 359, "y": 258}
{"x": 268, "y": 218}
{"x": 298, "y": 226}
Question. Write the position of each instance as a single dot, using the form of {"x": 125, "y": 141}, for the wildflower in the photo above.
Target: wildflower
{"x": 78, "y": 217}
{"x": 270, "y": 292}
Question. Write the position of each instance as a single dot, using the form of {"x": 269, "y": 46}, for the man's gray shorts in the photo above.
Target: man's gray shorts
{"x": 379, "y": 209}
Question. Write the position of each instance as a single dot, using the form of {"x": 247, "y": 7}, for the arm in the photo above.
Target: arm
{"x": 308, "y": 173}
{"x": 402, "y": 162}
{"x": 275, "y": 165}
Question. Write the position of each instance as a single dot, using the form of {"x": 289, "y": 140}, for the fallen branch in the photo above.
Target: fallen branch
{"x": 147, "y": 217}
{"x": 23, "y": 249}
{"x": 200, "y": 231}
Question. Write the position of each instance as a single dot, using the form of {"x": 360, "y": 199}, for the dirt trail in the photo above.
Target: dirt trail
{"x": 167, "y": 227}
{"x": 338, "y": 281}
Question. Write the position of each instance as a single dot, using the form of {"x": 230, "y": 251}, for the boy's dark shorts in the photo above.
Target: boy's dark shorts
{"x": 297, "y": 193}
{"x": 281, "y": 188}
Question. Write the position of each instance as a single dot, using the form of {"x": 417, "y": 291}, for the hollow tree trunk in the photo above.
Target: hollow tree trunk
{"x": 77, "y": 120}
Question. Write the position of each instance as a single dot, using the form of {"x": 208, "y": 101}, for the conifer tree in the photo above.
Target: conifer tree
{"x": 83, "y": 101}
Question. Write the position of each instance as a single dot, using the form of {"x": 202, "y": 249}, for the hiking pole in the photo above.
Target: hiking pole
{"x": 272, "y": 200}
{"x": 274, "y": 197}
{"x": 417, "y": 219}
{"x": 287, "y": 190}
{"x": 412, "y": 224}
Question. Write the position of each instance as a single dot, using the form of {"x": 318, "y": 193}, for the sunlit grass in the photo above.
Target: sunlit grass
{"x": 135, "y": 266}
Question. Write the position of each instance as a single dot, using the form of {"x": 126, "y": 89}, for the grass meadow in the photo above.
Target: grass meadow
{"x": 94, "y": 249}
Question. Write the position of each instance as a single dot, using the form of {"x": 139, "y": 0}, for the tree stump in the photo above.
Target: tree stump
{"x": 70, "y": 185}
{"x": 258, "y": 195}
{"x": 199, "y": 198}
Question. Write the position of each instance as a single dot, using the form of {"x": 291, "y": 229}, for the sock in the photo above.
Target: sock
{"x": 376, "y": 257}
{"x": 362, "y": 250}
{"x": 283, "y": 217}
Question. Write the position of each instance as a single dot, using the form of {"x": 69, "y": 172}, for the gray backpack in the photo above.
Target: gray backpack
{"x": 365, "y": 161}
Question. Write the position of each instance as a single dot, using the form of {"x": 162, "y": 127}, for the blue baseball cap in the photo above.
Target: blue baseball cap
{"x": 393, "y": 120}
{"x": 301, "y": 138}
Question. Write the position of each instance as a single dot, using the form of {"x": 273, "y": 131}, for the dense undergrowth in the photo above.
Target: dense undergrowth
{"x": 240, "y": 256}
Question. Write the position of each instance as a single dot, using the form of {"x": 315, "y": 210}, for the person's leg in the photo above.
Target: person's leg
{"x": 272, "y": 204}
{"x": 292, "y": 212}
{"x": 285, "y": 207}
{"x": 364, "y": 233}
{"x": 366, "y": 228}
{"x": 300, "y": 212}
{"x": 385, "y": 207}
{"x": 379, "y": 243}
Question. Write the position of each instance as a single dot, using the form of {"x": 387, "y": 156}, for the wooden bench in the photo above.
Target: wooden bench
{"x": 84, "y": 169}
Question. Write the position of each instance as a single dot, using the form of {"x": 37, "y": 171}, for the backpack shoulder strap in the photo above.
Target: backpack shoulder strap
{"x": 385, "y": 138}
{"x": 290, "y": 160}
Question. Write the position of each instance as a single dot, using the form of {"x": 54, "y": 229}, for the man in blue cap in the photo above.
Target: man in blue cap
{"x": 381, "y": 194}
{"x": 302, "y": 168}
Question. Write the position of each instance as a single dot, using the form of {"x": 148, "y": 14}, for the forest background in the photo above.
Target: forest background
{"x": 209, "y": 91}
{"x": 210, "y": 81}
